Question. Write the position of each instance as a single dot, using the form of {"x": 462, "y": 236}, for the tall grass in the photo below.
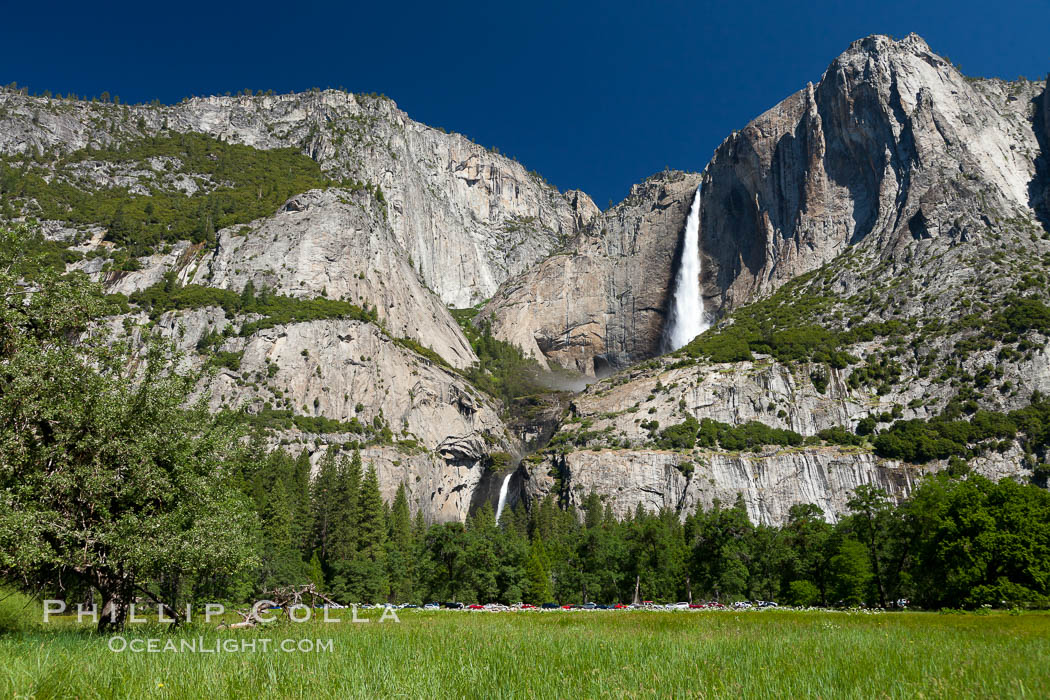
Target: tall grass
{"x": 614, "y": 654}
{"x": 18, "y": 612}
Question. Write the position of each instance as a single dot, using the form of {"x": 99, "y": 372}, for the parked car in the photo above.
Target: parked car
{"x": 696, "y": 606}
{"x": 432, "y": 606}
{"x": 453, "y": 606}
{"x": 528, "y": 606}
{"x": 619, "y": 606}
{"x": 678, "y": 606}
{"x": 475, "y": 606}
{"x": 767, "y": 604}
{"x": 549, "y": 606}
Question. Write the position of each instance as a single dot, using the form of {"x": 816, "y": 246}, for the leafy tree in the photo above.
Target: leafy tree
{"x": 850, "y": 572}
{"x": 871, "y": 516}
{"x": 107, "y": 479}
{"x": 807, "y": 535}
{"x": 980, "y": 543}
{"x": 718, "y": 542}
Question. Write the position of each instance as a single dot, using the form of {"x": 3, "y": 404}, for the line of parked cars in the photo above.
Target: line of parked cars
{"x": 644, "y": 605}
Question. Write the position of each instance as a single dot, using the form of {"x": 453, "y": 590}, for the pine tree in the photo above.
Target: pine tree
{"x": 343, "y": 540}
{"x": 445, "y": 546}
{"x": 537, "y": 575}
{"x": 481, "y": 554}
{"x": 281, "y": 563}
{"x": 323, "y": 505}
{"x": 248, "y": 296}
{"x": 315, "y": 572}
{"x": 346, "y": 513}
{"x": 302, "y": 513}
{"x": 370, "y": 559}
{"x": 400, "y": 548}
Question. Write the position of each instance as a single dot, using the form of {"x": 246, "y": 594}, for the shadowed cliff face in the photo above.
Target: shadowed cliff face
{"x": 893, "y": 143}
{"x": 1040, "y": 188}
{"x": 601, "y": 304}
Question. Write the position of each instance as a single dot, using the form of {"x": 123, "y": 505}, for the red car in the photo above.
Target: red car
{"x": 527, "y": 606}
{"x": 475, "y": 606}
{"x": 696, "y": 606}
{"x": 619, "y": 606}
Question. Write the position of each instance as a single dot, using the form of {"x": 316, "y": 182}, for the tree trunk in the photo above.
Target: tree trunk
{"x": 637, "y": 587}
{"x": 688, "y": 589}
{"x": 114, "y": 611}
{"x": 876, "y": 569}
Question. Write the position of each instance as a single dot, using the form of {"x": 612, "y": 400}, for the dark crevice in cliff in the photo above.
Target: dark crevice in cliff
{"x": 1039, "y": 187}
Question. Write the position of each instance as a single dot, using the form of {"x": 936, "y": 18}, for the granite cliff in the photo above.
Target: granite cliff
{"x": 862, "y": 243}
{"x": 874, "y": 250}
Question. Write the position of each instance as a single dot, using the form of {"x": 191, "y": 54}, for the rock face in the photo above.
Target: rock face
{"x": 468, "y": 217}
{"x": 769, "y": 483}
{"x": 895, "y": 189}
{"x": 893, "y": 144}
{"x": 453, "y": 222}
{"x": 914, "y": 194}
{"x": 601, "y": 303}
{"x": 613, "y": 453}
{"x": 441, "y": 428}
{"x": 333, "y": 243}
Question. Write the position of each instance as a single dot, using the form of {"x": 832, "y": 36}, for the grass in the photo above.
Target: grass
{"x": 580, "y": 654}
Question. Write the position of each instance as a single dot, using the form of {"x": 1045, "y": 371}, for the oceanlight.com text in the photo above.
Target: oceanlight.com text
{"x": 200, "y": 645}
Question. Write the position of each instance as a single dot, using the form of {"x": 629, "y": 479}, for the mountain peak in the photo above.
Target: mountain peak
{"x": 875, "y": 43}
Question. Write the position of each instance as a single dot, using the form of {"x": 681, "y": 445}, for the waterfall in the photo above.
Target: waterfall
{"x": 687, "y": 318}
{"x": 503, "y": 494}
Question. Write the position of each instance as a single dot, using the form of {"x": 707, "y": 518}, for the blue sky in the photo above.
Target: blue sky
{"x": 593, "y": 95}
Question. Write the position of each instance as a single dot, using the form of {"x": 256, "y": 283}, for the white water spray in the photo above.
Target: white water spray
{"x": 687, "y": 318}
{"x": 503, "y": 494}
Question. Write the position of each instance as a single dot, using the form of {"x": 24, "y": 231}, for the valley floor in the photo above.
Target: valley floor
{"x": 585, "y": 654}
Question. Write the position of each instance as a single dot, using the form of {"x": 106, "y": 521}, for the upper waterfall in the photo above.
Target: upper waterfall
{"x": 687, "y": 318}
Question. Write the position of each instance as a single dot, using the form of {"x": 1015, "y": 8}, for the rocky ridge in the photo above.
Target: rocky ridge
{"x": 469, "y": 218}
{"x": 893, "y": 144}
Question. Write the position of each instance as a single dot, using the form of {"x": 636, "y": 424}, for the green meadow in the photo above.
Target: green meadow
{"x": 552, "y": 655}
